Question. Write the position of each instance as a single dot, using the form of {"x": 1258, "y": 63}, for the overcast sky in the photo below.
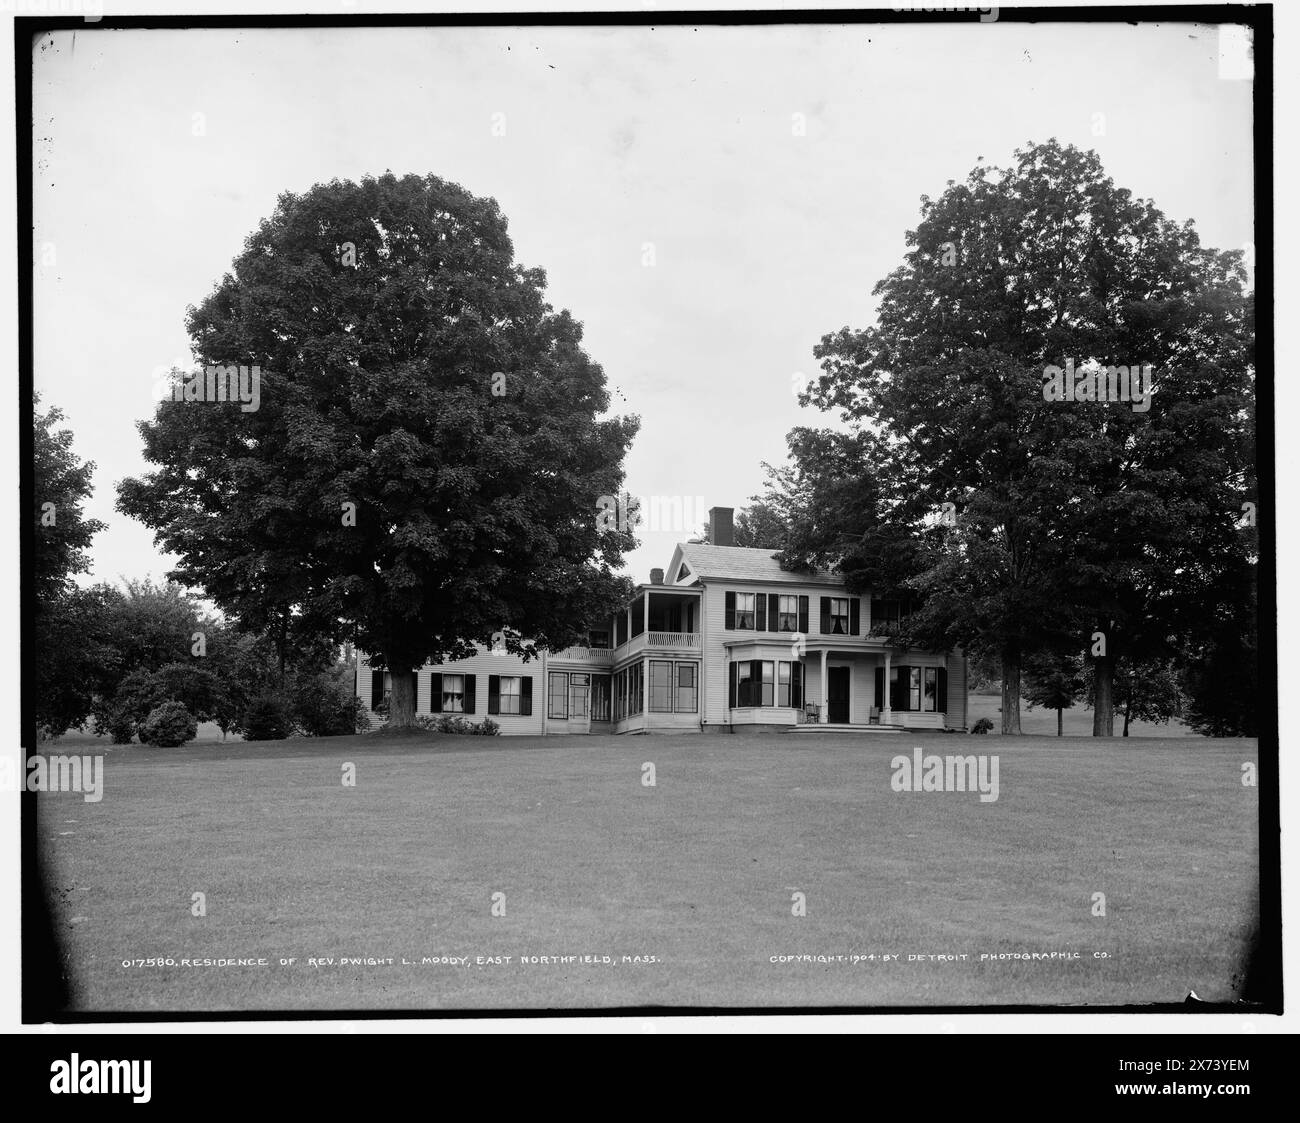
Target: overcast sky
{"x": 614, "y": 138}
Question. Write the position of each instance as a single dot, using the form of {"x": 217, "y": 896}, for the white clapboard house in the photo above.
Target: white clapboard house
{"x": 724, "y": 639}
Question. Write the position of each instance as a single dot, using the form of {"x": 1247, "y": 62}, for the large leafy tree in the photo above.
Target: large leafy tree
{"x": 62, "y": 484}
{"x": 429, "y": 452}
{"x": 74, "y": 658}
{"x": 69, "y": 660}
{"x": 1027, "y": 524}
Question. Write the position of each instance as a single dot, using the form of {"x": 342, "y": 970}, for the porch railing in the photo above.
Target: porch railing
{"x": 584, "y": 654}
{"x": 674, "y": 639}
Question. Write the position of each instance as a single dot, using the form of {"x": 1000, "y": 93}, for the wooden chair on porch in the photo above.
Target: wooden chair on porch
{"x": 874, "y": 719}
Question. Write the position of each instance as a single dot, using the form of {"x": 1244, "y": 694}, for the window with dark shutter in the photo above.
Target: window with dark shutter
{"x": 760, "y": 610}
{"x": 803, "y": 615}
{"x": 825, "y": 621}
{"x": 855, "y": 615}
{"x": 774, "y": 612}
{"x": 526, "y": 696}
{"x": 470, "y": 680}
{"x": 943, "y": 690}
{"x": 730, "y": 612}
{"x": 435, "y": 693}
{"x": 376, "y": 689}
{"x": 796, "y": 685}
{"x": 494, "y": 694}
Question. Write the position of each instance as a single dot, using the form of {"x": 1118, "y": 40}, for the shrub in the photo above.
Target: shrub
{"x": 325, "y": 705}
{"x": 454, "y": 723}
{"x": 168, "y": 726}
{"x": 118, "y": 721}
{"x": 982, "y": 726}
{"x": 268, "y": 718}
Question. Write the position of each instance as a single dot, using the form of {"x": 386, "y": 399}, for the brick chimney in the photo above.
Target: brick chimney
{"x": 656, "y": 577}
{"x": 721, "y": 531}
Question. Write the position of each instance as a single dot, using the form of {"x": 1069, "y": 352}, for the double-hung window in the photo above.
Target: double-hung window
{"x": 511, "y": 692}
{"x": 745, "y": 611}
{"x": 453, "y": 694}
{"x": 687, "y": 688}
{"x": 557, "y": 693}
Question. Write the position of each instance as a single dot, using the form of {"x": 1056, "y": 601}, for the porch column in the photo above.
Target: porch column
{"x": 645, "y": 690}
{"x": 646, "y": 605}
{"x": 887, "y": 717}
{"x": 824, "y": 714}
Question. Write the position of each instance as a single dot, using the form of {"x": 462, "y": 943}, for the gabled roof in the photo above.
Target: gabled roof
{"x": 742, "y": 563}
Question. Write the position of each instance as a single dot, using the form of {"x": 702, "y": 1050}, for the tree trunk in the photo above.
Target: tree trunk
{"x": 1103, "y": 697}
{"x": 1128, "y": 710}
{"x": 401, "y": 702}
{"x": 1011, "y": 690}
{"x": 1060, "y": 722}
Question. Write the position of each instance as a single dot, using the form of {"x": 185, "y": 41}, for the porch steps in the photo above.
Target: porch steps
{"x": 814, "y": 728}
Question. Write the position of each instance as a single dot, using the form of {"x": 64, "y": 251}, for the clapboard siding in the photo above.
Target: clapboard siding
{"x": 713, "y": 614}
{"x": 481, "y": 665}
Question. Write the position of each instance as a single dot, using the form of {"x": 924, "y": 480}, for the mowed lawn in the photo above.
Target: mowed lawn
{"x": 695, "y": 875}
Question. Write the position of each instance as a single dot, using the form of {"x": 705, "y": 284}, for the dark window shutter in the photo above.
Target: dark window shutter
{"x": 526, "y": 696}
{"x": 756, "y": 682}
{"x": 731, "y": 681}
{"x": 774, "y": 612}
{"x": 376, "y": 688}
{"x": 803, "y": 615}
{"x": 760, "y": 613}
{"x": 855, "y": 615}
{"x": 796, "y": 685}
{"x": 826, "y": 616}
{"x": 435, "y": 693}
{"x": 880, "y": 688}
{"x": 942, "y": 702}
{"x": 470, "y": 681}
{"x": 904, "y": 687}
{"x": 494, "y": 694}
{"x": 730, "y": 622}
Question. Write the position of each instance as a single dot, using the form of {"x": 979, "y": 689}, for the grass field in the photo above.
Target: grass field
{"x": 695, "y": 874}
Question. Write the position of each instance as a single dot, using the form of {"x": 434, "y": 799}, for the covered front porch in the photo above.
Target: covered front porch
{"x": 871, "y": 686}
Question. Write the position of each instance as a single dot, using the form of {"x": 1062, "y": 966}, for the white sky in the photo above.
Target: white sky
{"x": 764, "y": 241}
